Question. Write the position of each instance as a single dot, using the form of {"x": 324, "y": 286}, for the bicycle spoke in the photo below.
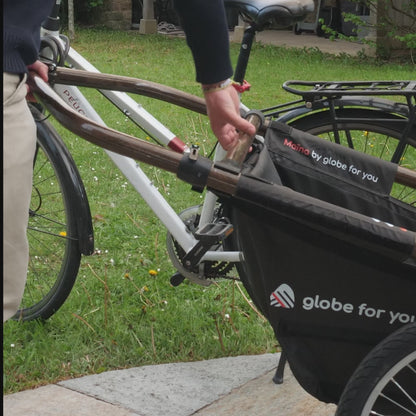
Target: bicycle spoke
{"x": 398, "y": 405}
{"x": 404, "y": 392}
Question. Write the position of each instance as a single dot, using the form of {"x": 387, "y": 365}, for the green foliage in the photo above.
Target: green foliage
{"x": 85, "y": 11}
{"x": 387, "y": 24}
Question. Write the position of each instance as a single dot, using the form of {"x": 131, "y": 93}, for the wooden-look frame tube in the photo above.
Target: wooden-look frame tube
{"x": 122, "y": 143}
{"x": 150, "y": 89}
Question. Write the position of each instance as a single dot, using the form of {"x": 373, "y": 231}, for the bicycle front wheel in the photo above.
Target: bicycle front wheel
{"x": 54, "y": 254}
{"x": 377, "y": 138}
{"x": 385, "y": 382}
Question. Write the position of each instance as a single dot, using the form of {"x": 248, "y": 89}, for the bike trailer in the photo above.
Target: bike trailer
{"x": 328, "y": 253}
{"x": 329, "y": 257}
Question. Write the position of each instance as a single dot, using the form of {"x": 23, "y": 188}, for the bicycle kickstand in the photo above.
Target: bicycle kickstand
{"x": 278, "y": 377}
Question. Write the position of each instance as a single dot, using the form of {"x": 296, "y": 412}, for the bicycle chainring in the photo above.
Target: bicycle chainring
{"x": 206, "y": 271}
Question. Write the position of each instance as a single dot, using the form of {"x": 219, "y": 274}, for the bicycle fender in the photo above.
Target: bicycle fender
{"x": 385, "y": 105}
{"x": 68, "y": 170}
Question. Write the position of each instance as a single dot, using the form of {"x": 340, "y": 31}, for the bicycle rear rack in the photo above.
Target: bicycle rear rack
{"x": 335, "y": 89}
{"x": 323, "y": 94}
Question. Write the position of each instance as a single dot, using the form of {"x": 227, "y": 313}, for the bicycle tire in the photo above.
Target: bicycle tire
{"x": 390, "y": 364}
{"x": 378, "y": 138}
{"x": 54, "y": 253}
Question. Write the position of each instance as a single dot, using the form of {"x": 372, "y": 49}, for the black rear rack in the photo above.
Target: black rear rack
{"x": 311, "y": 90}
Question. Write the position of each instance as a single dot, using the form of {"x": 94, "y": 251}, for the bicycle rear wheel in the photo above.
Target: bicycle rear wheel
{"x": 54, "y": 254}
{"x": 378, "y": 138}
{"x": 385, "y": 382}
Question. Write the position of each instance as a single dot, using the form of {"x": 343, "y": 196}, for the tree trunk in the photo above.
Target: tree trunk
{"x": 71, "y": 30}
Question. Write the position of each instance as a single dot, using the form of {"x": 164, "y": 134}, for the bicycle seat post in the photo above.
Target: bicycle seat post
{"x": 244, "y": 54}
{"x": 52, "y": 23}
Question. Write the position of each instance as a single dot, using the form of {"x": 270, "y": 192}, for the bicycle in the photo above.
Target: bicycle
{"x": 214, "y": 233}
{"x": 339, "y": 111}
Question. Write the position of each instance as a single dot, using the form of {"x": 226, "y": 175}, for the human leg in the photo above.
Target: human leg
{"x": 19, "y": 143}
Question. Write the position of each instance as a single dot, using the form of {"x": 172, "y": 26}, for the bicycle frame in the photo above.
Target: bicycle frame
{"x": 72, "y": 96}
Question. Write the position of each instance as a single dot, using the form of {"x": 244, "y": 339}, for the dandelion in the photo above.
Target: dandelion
{"x": 62, "y": 233}
{"x": 153, "y": 272}
{"x": 126, "y": 276}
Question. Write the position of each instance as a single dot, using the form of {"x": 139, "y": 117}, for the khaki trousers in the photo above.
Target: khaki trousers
{"x": 19, "y": 142}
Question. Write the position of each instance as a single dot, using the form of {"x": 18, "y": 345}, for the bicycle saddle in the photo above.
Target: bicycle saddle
{"x": 262, "y": 14}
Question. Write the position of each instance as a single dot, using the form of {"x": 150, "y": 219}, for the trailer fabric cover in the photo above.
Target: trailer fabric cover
{"x": 329, "y": 298}
{"x": 337, "y": 174}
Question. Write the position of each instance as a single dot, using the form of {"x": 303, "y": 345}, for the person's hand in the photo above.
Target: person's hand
{"x": 40, "y": 69}
{"x": 224, "y": 115}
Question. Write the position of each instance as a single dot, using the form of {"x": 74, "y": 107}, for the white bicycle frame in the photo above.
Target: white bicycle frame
{"x": 131, "y": 169}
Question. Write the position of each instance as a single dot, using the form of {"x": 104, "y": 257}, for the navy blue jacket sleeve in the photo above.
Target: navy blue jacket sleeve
{"x": 21, "y": 32}
{"x": 206, "y": 29}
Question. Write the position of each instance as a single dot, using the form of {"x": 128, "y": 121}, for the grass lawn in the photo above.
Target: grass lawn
{"x": 123, "y": 312}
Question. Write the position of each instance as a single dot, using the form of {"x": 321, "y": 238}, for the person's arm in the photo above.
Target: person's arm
{"x": 223, "y": 105}
{"x": 205, "y": 26}
{"x": 206, "y": 29}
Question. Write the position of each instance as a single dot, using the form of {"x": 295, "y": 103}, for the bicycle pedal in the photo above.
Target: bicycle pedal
{"x": 212, "y": 233}
{"x": 177, "y": 279}
{"x": 207, "y": 236}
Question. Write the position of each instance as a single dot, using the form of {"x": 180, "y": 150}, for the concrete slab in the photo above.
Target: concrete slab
{"x": 177, "y": 389}
{"x": 310, "y": 40}
{"x": 261, "y": 397}
{"x": 235, "y": 386}
{"x": 54, "y": 400}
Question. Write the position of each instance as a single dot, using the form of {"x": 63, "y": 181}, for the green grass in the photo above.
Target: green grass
{"x": 118, "y": 314}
